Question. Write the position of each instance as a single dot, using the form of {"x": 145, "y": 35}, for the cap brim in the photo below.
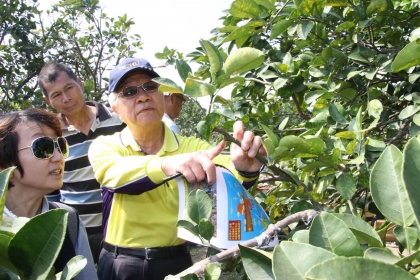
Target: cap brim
{"x": 152, "y": 74}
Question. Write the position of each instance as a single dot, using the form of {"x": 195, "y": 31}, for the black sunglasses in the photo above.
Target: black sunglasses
{"x": 130, "y": 92}
{"x": 43, "y": 147}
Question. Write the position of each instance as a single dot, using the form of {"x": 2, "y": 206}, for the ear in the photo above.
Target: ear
{"x": 172, "y": 98}
{"x": 79, "y": 81}
{"x": 114, "y": 108}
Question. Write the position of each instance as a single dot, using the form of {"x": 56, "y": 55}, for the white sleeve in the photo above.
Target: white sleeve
{"x": 82, "y": 248}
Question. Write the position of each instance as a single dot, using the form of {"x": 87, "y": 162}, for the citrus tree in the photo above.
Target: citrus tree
{"x": 77, "y": 33}
{"x": 347, "y": 72}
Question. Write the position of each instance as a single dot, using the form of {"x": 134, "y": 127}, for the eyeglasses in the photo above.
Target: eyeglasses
{"x": 180, "y": 97}
{"x": 43, "y": 147}
{"x": 130, "y": 92}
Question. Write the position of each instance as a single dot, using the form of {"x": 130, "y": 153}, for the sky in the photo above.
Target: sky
{"x": 177, "y": 24}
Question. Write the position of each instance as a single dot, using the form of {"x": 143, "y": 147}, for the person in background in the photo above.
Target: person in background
{"x": 82, "y": 122}
{"x": 173, "y": 106}
{"x": 135, "y": 166}
{"x": 32, "y": 141}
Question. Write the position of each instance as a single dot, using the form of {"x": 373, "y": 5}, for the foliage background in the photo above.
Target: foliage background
{"x": 330, "y": 85}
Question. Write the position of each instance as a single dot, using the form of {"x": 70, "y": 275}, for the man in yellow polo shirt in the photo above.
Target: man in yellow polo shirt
{"x": 140, "y": 207}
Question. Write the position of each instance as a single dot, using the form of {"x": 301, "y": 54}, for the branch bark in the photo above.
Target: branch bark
{"x": 198, "y": 267}
{"x": 401, "y": 132}
{"x": 301, "y": 114}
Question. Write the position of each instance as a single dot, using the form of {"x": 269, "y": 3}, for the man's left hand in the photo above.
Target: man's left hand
{"x": 244, "y": 157}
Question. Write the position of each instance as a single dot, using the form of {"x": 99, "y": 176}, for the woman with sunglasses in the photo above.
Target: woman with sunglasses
{"x": 32, "y": 141}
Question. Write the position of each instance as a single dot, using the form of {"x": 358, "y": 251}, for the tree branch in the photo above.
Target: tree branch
{"x": 401, "y": 132}
{"x": 301, "y": 114}
{"x": 198, "y": 268}
{"x": 258, "y": 81}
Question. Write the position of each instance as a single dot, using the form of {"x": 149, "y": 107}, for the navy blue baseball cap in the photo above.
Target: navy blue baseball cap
{"x": 128, "y": 65}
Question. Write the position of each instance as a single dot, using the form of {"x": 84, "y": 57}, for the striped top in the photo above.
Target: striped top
{"x": 80, "y": 188}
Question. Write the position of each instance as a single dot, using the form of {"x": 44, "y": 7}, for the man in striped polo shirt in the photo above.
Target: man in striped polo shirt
{"x": 83, "y": 121}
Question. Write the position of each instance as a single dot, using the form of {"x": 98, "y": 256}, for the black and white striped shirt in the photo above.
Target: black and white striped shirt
{"x": 80, "y": 188}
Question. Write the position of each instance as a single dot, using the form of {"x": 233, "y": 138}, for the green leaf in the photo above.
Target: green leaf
{"x": 375, "y": 145}
{"x": 304, "y": 28}
{"x": 356, "y": 268}
{"x": 215, "y": 58}
{"x": 411, "y": 175}
{"x": 336, "y": 115}
{"x": 346, "y": 135}
{"x": 198, "y": 206}
{"x": 241, "y": 32}
{"x": 406, "y": 236}
{"x": 408, "y": 259}
{"x": 269, "y": 4}
{"x": 408, "y": 111}
{"x": 34, "y": 254}
{"x": 245, "y": 9}
{"x": 292, "y": 260}
{"x": 358, "y": 160}
{"x": 381, "y": 254}
{"x": 409, "y": 56}
{"x": 283, "y": 123}
{"x": 226, "y": 82}
{"x": 212, "y": 271}
{"x": 280, "y": 83}
{"x": 221, "y": 100}
{"x": 356, "y": 124}
{"x": 337, "y": 3}
{"x": 4, "y": 184}
{"x": 188, "y": 226}
{"x": 5, "y": 238}
{"x": 346, "y": 185}
{"x": 348, "y": 94}
{"x": 375, "y": 108}
{"x": 416, "y": 119}
{"x": 280, "y": 27}
{"x": 269, "y": 147}
{"x": 311, "y": 7}
{"x": 257, "y": 263}
{"x": 243, "y": 60}
{"x": 332, "y": 234}
{"x": 301, "y": 236}
{"x": 345, "y": 26}
{"x": 73, "y": 267}
{"x": 183, "y": 69}
{"x": 362, "y": 230}
{"x": 167, "y": 85}
{"x": 206, "y": 229}
{"x": 273, "y": 137}
{"x": 301, "y": 205}
{"x": 205, "y": 128}
{"x": 388, "y": 190}
{"x": 376, "y": 6}
{"x": 198, "y": 88}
